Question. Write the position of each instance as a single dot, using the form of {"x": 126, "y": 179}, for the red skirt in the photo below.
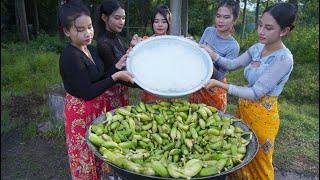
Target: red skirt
{"x": 116, "y": 96}
{"x": 78, "y": 116}
{"x": 150, "y": 98}
{"x": 216, "y": 97}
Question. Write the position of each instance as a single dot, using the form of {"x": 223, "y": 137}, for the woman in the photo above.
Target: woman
{"x": 220, "y": 39}
{"x": 111, "y": 20}
{"x": 85, "y": 82}
{"x": 161, "y": 20}
{"x": 267, "y": 67}
{"x": 160, "y": 23}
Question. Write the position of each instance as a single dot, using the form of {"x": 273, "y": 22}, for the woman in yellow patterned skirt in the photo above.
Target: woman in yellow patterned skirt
{"x": 267, "y": 67}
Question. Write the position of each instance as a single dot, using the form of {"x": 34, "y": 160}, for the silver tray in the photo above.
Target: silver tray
{"x": 169, "y": 66}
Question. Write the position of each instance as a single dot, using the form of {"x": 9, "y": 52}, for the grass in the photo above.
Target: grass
{"x": 6, "y": 125}
{"x": 32, "y": 71}
{"x": 298, "y": 139}
{"x": 28, "y": 70}
{"x": 56, "y": 131}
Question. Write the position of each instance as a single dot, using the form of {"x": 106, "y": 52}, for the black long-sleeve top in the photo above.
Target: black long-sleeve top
{"x": 81, "y": 77}
{"x": 111, "y": 49}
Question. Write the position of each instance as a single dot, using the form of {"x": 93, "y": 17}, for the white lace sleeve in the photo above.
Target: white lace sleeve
{"x": 274, "y": 75}
{"x": 233, "y": 64}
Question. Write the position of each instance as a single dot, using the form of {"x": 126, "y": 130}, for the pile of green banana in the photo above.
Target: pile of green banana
{"x": 170, "y": 139}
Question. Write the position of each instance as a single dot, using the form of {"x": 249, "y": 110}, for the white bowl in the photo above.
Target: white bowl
{"x": 169, "y": 66}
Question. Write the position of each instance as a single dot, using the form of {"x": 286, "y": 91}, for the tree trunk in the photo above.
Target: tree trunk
{"x": 175, "y": 6}
{"x": 127, "y": 21}
{"x": 22, "y": 20}
{"x": 16, "y": 15}
{"x": 35, "y": 18}
{"x": 257, "y": 14}
{"x": 244, "y": 19}
{"x": 59, "y": 3}
{"x": 184, "y": 18}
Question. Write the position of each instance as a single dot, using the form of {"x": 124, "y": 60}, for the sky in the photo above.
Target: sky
{"x": 250, "y": 7}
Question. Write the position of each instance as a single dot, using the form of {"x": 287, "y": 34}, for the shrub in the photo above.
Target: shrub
{"x": 43, "y": 42}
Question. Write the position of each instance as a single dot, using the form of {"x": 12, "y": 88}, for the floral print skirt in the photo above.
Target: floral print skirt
{"x": 116, "y": 96}
{"x": 263, "y": 118}
{"x": 78, "y": 116}
{"x": 216, "y": 97}
{"x": 150, "y": 98}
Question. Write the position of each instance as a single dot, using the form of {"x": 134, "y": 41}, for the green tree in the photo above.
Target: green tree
{"x": 201, "y": 14}
{"x": 308, "y": 12}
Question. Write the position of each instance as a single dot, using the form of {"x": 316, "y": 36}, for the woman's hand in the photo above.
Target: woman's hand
{"x": 122, "y": 62}
{"x": 210, "y": 51}
{"x": 129, "y": 50}
{"x": 135, "y": 40}
{"x": 215, "y": 83}
{"x": 124, "y": 76}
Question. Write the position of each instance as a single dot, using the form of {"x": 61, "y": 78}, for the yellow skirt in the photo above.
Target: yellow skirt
{"x": 263, "y": 118}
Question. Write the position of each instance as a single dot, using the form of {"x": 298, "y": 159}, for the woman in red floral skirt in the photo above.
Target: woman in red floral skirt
{"x": 110, "y": 22}
{"x": 85, "y": 82}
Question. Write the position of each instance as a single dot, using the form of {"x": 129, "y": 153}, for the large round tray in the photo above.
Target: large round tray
{"x": 252, "y": 149}
{"x": 169, "y": 66}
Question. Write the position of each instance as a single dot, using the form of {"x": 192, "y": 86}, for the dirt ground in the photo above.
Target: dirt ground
{"x": 37, "y": 158}
{"x": 46, "y": 158}
{"x": 23, "y": 157}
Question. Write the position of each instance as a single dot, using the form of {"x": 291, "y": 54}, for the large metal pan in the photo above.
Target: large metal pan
{"x": 252, "y": 149}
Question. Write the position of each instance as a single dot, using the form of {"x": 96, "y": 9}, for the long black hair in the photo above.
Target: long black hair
{"x": 284, "y": 13}
{"x": 68, "y": 12}
{"x": 106, "y": 7}
{"x": 164, "y": 11}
